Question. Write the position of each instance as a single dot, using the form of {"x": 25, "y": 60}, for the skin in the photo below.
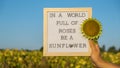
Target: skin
{"x": 96, "y": 57}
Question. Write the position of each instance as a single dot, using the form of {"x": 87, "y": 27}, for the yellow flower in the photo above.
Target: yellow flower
{"x": 77, "y": 66}
{"x": 71, "y": 65}
{"x": 91, "y": 28}
{"x": 20, "y": 59}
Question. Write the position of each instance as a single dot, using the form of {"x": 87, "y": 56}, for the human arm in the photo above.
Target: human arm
{"x": 97, "y": 59}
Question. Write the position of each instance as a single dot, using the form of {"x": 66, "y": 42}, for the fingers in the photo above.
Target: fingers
{"x": 97, "y": 48}
{"x": 92, "y": 44}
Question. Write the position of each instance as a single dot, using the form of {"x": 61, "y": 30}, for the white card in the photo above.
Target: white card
{"x": 62, "y": 32}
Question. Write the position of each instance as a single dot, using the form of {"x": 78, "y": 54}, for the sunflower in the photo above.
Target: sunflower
{"x": 91, "y": 28}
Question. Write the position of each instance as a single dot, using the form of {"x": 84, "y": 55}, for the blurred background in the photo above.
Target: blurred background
{"x": 21, "y": 21}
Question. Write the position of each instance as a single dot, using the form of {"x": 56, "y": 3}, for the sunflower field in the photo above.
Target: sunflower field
{"x": 14, "y": 58}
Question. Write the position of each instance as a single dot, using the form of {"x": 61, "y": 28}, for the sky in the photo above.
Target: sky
{"x": 21, "y": 21}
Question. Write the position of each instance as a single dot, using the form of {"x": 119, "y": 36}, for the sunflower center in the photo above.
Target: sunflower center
{"x": 91, "y": 28}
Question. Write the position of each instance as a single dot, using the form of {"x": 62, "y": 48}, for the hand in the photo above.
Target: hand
{"x": 96, "y": 57}
{"x": 95, "y": 53}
